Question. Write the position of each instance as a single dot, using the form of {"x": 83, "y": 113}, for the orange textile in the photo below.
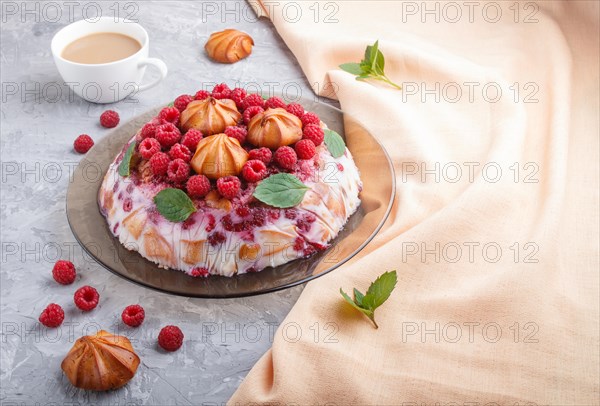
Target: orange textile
{"x": 494, "y": 230}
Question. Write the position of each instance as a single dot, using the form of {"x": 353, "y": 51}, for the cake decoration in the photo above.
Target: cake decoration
{"x": 274, "y": 128}
{"x": 210, "y": 116}
{"x": 219, "y": 156}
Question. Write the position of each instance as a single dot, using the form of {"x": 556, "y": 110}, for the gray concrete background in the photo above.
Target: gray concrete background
{"x": 40, "y": 120}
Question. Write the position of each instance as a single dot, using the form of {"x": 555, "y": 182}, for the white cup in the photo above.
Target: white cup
{"x": 105, "y": 82}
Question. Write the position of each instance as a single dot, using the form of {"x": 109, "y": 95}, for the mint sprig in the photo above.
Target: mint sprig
{"x": 174, "y": 205}
{"x": 376, "y": 295}
{"x": 281, "y": 190}
{"x": 371, "y": 67}
{"x": 124, "y": 166}
{"x": 335, "y": 143}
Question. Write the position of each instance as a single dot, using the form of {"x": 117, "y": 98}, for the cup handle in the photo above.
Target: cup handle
{"x": 162, "y": 67}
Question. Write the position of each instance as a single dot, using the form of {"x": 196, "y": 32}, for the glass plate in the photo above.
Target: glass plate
{"x": 91, "y": 230}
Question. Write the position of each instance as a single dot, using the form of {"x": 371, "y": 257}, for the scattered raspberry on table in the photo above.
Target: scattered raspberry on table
{"x": 170, "y": 338}
{"x": 63, "y": 272}
{"x": 133, "y": 315}
{"x": 52, "y": 316}
{"x": 109, "y": 119}
{"x": 86, "y": 298}
{"x": 83, "y": 143}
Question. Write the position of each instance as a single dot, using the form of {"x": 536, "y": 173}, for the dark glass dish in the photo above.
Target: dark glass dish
{"x": 91, "y": 230}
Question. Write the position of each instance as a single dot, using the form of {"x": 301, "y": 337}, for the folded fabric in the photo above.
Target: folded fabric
{"x": 494, "y": 230}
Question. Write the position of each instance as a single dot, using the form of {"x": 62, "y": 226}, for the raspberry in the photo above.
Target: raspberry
{"x": 310, "y": 118}
{"x": 295, "y": 109}
{"x": 242, "y": 211}
{"x": 133, "y": 315}
{"x": 191, "y": 139}
{"x": 182, "y": 101}
{"x": 86, "y": 298}
{"x": 159, "y": 163}
{"x": 169, "y": 115}
{"x": 221, "y": 91}
{"x": 259, "y": 217}
{"x": 299, "y": 244}
{"x": 285, "y": 157}
{"x": 167, "y": 134}
{"x": 252, "y": 100}
{"x": 198, "y": 186}
{"x": 52, "y": 316}
{"x": 262, "y": 154}
{"x": 229, "y": 186}
{"x": 83, "y": 143}
{"x": 179, "y": 151}
{"x": 238, "y": 95}
{"x": 314, "y": 133}
{"x": 211, "y": 223}
{"x": 149, "y": 147}
{"x": 127, "y": 205}
{"x": 304, "y": 223}
{"x": 199, "y": 272}
{"x": 178, "y": 171}
{"x": 148, "y": 131}
{"x": 237, "y": 132}
{"x": 201, "y": 95}
{"x": 274, "y": 102}
{"x": 109, "y": 119}
{"x": 63, "y": 272}
{"x": 251, "y": 112}
{"x": 254, "y": 170}
{"x": 188, "y": 223}
{"x": 305, "y": 149}
{"x": 170, "y": 338}
{"x": 274, "y": 214}
{"x": 216, "y": 238}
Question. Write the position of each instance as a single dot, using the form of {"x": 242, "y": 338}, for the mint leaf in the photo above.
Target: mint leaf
{"x": 367, "y": 59}
{"x": 371, "y": 67}
{"x": 174, "y": 204}
{"x": 335, "y": 143}
{"x": 378, "y": 293}
{"x": 366, "y": 312}
{"x": 124, "y": 169}
{"x": 373, "y": 55}
{"x": 281, "y": 190}
{"x": 353, "y": 68}
{"x": 171, "y": 104}
{"x": 380, "y": 290}
{"x": 358, "y": 297}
